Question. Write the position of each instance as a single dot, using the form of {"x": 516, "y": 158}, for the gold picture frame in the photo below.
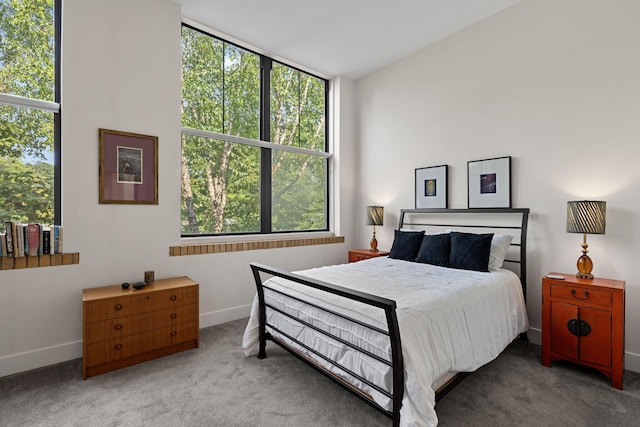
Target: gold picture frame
{"x": 128, "y": 168}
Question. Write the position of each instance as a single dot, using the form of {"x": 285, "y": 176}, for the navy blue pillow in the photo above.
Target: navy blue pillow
{"x": 406, "y": 245}
{"x": 470, "y": 251}
{"x": 435, "y": 249}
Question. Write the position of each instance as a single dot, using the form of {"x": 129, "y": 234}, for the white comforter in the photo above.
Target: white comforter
{"x": 449, "y": 320}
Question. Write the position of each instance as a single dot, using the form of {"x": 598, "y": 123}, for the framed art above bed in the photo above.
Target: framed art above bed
{"x": 431, "y": 188}
{"x": 489, "y": 183}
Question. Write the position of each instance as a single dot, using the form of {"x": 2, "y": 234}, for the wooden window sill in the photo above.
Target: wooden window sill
{"x": 212, "y": 248}
{"x": 39, "y": 261}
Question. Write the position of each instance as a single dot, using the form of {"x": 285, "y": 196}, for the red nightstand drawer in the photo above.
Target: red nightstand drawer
{"x": 579, "y": 294}
{"x": 361, "y": 254}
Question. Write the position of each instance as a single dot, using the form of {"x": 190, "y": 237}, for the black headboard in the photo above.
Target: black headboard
{"x": 511, "y": 221}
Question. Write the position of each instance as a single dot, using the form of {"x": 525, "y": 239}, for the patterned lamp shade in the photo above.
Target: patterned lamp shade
{"x": 586, "y": 216}
{"x": 375, "y": 215}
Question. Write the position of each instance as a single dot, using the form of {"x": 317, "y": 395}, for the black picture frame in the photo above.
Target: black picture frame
{"x": 489, "y": 183}
{"x": 432, "y": 187}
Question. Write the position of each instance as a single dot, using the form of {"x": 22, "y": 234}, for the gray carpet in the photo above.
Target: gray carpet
{"x": 217, "y": 386}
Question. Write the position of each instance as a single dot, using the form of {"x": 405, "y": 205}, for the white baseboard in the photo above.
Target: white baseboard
{"x": 631, "y": 360}
{"x": 535, "y": 335}
{"x": 38, "y": 358}
{"x": 25, "y": 361}
{"x": 223, "y": 316}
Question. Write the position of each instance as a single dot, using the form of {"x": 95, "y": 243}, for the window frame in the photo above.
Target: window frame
{"x": 51, "y": 107}
{"x": 266, "y": 147}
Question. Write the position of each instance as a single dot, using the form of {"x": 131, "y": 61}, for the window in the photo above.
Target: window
{"x": 254, "y": 142}
{"x": 29, "y": 111}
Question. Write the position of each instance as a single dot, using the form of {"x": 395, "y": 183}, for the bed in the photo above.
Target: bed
{"x": 401, "y": 331}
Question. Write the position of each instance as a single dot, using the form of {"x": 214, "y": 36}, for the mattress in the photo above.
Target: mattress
{"x": 449, "y": 320}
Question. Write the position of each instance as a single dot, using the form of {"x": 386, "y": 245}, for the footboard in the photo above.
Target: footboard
{"x": 393, "y": 333}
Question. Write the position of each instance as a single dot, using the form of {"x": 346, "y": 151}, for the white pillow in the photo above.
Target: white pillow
{"x": 499, "y": 247}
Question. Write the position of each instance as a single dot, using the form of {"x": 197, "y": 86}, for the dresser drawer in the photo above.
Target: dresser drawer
{"x": 173, "y": 335}
{"x": 115, "y": 349}
{"x": 578, "y": 294}
{"x": 131, "y": 345}
{"x": 176, "y": 297}
{"x": 131, "y": 325}
{"x": 118, "y": 307}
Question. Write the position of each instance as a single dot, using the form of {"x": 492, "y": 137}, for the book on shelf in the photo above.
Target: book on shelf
{"x": 41, "y": 239}
{"x": 25, "y": 238}
{"x": 57, "y": 236}
{"x": 52, "y": 241}
{"x": 46, "y": 241}
{"x": 34, "y": 238}
{"x": 19, "y": 241}
{"x": 9, "y": 233}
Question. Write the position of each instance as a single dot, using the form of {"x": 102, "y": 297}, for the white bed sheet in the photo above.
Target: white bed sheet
{"x": 449, "y": 320}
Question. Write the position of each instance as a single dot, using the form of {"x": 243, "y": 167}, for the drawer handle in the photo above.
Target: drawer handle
{"x": 174, "y": 315}
{"x": 174, "y": 297}
{"x": 118, "y": 346}
{"x": 174, "y": 333}
{"x": 585, "y": 295}
{"x": 118, "y": 326}
{"x": 118, "y": 307}
{"x": 579, "y": 327}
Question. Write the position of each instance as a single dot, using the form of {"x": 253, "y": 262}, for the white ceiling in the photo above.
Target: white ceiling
{"x": 340, "y": 37}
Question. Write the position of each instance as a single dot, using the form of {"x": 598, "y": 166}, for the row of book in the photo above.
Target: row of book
{"x": 20, "y": 240}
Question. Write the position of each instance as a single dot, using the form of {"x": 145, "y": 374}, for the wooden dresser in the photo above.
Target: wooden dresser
{"x": 583, "y": 322}
{"x": 122, "y": 327}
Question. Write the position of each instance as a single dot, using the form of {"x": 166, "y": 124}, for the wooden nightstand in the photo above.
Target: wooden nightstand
{"x": 583, "y": 322}
{"x": 360, "y": 254}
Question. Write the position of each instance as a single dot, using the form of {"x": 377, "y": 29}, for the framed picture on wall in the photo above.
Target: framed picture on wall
{"x": 489, "y": 183}
{"x": 128, "y": 168}
{"x": 431, "y": 187}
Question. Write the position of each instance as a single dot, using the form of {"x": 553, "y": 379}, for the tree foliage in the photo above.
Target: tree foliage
{"x": 221, "y": 180}
{"x": 26, "y": 191}
{"x": 26, "y": 135}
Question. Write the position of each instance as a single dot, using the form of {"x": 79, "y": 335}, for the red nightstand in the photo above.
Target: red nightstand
{"x": 360, "y": 254}
{"x": 583, "y": 322}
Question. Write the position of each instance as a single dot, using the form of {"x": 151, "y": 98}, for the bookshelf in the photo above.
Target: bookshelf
{"x": 47, "y": 260}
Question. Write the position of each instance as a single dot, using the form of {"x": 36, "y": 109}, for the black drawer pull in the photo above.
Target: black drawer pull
{"x": 174, "y": 333}
{"x": 118, "y": 307}
{"x": 174, "y": 315}
{"x": 174, "y": 297}
{"x": 118, "y": 326}
{"x": 118, "y": 346}
{"x": 573, "y": 294}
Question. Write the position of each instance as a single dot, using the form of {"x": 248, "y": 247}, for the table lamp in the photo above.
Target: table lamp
{"x": 375, "y": 216}
{"x": 586, "y": 217}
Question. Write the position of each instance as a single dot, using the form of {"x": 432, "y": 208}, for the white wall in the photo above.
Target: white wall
{"x": 553, "y": 84}
{"x": 121, "y": 70}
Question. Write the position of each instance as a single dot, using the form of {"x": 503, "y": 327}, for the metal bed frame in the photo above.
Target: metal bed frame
{"x": 408, "y": 218}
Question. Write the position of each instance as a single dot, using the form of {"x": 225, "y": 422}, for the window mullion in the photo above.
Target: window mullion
{"x": 57, "y": 126}
{"x": 265, "y": 153}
